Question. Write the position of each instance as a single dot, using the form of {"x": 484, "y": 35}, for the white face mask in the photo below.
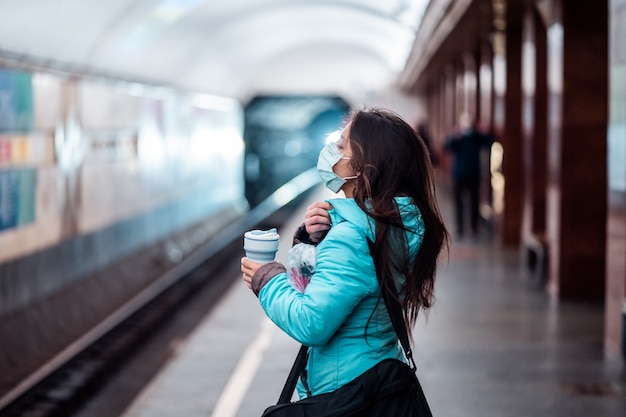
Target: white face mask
{"x": 329, "y": 156}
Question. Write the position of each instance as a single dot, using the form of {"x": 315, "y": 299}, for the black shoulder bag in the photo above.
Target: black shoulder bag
{"x": 389, "y": 389}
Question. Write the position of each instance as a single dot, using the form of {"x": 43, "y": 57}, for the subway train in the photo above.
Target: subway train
{"x": 283, "y": 136}
{"x": 107, "y": 183}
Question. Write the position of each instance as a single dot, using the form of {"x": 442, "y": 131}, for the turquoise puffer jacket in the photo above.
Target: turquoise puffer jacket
{"x": 332, "y": 314}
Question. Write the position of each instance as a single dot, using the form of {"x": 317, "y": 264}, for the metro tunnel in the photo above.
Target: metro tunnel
{"x": 139, "y": 141}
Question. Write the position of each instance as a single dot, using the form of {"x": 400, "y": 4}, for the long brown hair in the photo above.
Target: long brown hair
{"x": 392, "y": 160}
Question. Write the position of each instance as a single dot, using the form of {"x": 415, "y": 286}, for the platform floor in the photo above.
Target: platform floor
{"x": 494, "y": 345}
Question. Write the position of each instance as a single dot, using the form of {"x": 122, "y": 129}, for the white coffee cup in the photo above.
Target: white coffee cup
{"x": 261, "y": 245}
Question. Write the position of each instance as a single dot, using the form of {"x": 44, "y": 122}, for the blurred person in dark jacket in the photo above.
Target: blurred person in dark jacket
{"x": 466, "y": 147}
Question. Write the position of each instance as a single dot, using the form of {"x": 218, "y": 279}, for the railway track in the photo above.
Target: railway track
{"x": 69, "y": 387}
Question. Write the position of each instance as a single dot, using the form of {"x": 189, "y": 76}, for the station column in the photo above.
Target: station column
{"x": 510, "y": 233}
{"x": 576, "y": 156}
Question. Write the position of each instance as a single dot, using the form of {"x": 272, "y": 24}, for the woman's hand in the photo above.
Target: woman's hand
{"x": 317, "y": 220}
{"x": 249, "y": 268}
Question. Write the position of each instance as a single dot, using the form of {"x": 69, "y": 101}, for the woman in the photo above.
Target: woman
{"x": 384, "y": 169}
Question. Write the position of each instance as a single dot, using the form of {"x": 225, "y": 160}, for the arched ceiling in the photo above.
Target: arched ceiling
{"x": 236, "y": 48}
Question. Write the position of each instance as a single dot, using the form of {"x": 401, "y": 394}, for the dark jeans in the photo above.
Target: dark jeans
{"x": 462, "y": 187}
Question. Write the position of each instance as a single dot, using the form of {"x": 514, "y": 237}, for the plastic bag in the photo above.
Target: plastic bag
{"x": 301, "y": 262}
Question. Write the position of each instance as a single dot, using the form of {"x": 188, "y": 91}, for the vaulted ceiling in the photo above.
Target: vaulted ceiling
{"x": 236, "y": 48}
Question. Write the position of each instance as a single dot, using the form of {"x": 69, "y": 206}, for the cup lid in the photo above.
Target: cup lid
{"x": 270, "y": 234}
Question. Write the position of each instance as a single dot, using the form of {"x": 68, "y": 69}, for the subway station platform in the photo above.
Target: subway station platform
{"x": 493, "y": 345}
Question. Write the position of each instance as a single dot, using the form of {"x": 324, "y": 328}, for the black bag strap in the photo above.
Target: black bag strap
{"x": 397, "y": 319}
{"x": 295, "y": 372}
{"x": 392, "y": 302}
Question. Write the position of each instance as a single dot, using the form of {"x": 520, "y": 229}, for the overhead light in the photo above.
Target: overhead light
{"x": 169, "y": 11}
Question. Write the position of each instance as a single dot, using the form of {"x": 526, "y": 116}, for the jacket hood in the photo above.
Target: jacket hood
{"x": 346, "y": 209}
